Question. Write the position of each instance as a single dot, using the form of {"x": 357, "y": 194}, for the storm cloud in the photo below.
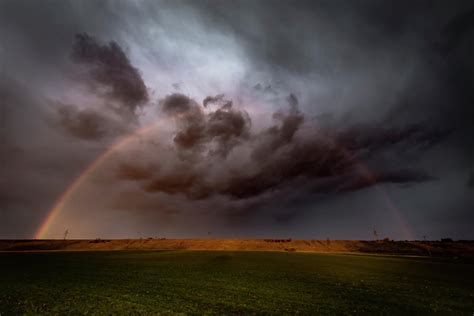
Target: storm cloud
{"x": 253, "y": 164}
{"x": 226, "y": 127}
{"x": 108, "y": 73}
{"x": 262, "y": 118}
{"x": 109, "y": 66}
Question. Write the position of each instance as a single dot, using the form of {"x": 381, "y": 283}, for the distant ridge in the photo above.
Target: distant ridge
{"x": 419, "y": 248}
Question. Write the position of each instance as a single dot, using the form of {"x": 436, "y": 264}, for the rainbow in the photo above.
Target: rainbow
{"x": 122, "y": 143}
{"x": 406, "y": 229}
{"x": 61, "y": 201}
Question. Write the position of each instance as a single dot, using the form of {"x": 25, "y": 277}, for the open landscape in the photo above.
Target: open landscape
{"x": 236, "y": 157}
{"x": 217, "y": 282}
{"x": 276, "y": 276}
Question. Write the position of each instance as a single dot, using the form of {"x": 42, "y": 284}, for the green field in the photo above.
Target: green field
{"x": 170, "y": 282}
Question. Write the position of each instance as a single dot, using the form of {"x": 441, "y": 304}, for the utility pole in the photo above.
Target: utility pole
{"x": 376, "y": 235}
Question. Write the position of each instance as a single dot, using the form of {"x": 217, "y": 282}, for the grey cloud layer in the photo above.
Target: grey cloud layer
{"x": 385, "y": 85}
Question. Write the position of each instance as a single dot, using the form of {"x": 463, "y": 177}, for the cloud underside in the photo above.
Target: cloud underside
{"x": 116, "y": 84}
{"x": 216, "y": 153}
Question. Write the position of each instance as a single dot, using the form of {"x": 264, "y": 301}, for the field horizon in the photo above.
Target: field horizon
{"x": 443, "y": 248}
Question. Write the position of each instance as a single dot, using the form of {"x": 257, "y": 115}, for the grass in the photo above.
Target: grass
{"x": 170, "y": 282}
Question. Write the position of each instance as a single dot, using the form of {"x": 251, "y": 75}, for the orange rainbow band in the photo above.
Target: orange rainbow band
{"x": 61, "y": 201}
{"x": 406, "y": 229}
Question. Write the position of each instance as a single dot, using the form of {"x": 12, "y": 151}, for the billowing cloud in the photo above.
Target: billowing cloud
{"x": 253, "y": 164}
{"x": 118, "y": 85}
{"x": 110, "y": 71}
{"x": 213, "y": 99}
{"x": 226, "y": 127}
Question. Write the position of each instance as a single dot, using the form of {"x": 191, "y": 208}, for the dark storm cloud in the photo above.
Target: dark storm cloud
{"x": 190, "y": 119}
{"x": 282, "y": 133}
{"x": 316, "y": 160}
{"x": 212, "y": 99}
{"x": 177, "y": 104}
{"x": 226, "y": 126}
{"x": 111, "y": 68}
{"x": 111, "y": 76}
{"x": 328, "y": 160}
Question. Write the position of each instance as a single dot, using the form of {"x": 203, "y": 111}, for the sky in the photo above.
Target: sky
{"x": 237, "y": 119}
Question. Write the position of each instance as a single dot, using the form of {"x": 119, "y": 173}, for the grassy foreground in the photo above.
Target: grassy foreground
{"x": 169, "y": 282}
